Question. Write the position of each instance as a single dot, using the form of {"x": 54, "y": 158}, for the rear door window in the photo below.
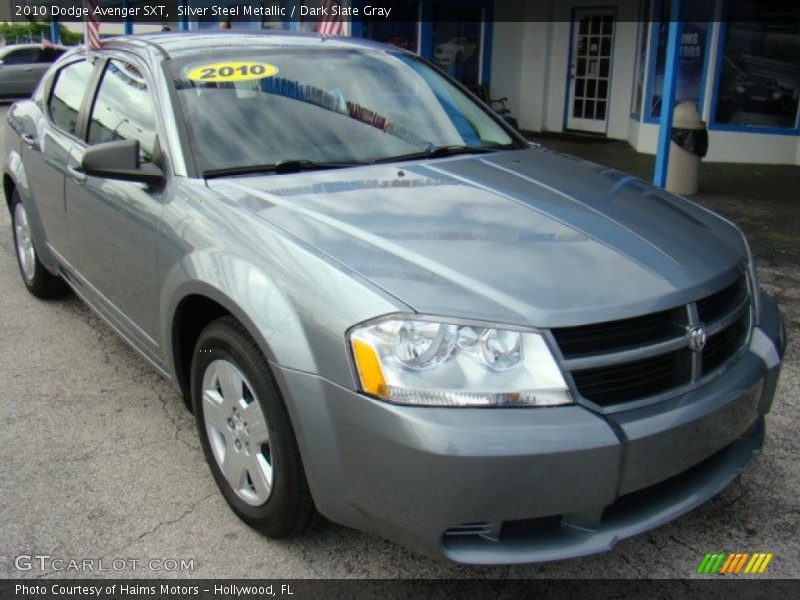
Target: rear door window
{"x": 67, "y": 95}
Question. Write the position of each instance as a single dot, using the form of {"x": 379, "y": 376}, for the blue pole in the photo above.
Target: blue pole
{"x": 183, "y": 22}
{"x": 293, "y": 24}
{"x": 55, "y": 34}
{"x": 668, "y": 94}
{"x": 356, "y": 24}
{"x": 127, "y": 21}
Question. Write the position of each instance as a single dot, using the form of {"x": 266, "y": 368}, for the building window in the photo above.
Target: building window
{"x": 402, "y": 30}
{"x": 457, "y": 41}
{"x": 695, "y": 34}
{"x": 759, "y": 80}
{"x": 641, "y": 60}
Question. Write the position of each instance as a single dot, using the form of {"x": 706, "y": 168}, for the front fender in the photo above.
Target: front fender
{"x": 298, "y": 316}
{"x": 246, "y": 296}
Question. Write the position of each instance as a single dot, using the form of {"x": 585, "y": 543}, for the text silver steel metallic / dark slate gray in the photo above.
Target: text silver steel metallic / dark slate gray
{"x": 643, "y": 305}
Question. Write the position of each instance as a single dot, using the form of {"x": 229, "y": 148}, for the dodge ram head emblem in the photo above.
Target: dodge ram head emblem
{"x": 697, "y": 337}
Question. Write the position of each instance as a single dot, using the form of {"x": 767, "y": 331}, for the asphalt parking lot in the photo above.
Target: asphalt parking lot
{"x": 99, "y": 459}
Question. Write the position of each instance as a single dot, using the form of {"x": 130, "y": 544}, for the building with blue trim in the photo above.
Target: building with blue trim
{"x": 598, "y": 66}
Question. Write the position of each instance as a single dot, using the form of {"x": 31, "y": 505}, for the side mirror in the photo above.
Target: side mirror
{"x": 120, "y": 160}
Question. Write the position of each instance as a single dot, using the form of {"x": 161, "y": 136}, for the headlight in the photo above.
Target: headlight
{"x": 428, "y": 362}
{"x": 755, "y": 289}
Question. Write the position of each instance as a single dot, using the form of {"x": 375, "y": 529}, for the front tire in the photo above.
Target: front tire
{"x": 246, "y": 433}
{"x": 39, "y": 281}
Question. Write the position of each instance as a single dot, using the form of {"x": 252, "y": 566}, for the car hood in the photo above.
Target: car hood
{"x": 529, "y": 237}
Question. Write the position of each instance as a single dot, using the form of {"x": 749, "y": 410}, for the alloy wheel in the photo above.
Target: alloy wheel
{"x": 237, "y": 432}
{"x": 26, "y": 254}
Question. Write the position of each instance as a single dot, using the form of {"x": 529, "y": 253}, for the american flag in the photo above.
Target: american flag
{"x": 331, "y": 24}
{"x": 46, "y": 43}
{"x": 91, "y": 27}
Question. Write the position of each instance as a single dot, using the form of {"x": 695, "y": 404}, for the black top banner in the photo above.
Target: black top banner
{"x": 785, "y": 13}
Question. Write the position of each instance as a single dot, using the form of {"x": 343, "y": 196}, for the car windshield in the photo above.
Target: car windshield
{"x": 317, "y": 107}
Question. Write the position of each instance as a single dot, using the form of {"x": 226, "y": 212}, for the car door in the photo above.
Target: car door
{"x": 114, "y": 224}
{"x": 19, "y": 72}
{"x": 48, "y": 140}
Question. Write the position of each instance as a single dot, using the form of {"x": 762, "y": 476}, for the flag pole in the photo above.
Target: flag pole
{"x": 85, "y": 30}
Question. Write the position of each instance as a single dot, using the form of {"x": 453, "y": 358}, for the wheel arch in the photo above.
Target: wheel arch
{"x": 9, "y": 185}
{"x": 193, "y": 314}
{"x": 198, "y": 303}
{"x": 297, "y": 309}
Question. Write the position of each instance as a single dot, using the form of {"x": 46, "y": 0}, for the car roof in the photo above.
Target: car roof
{"x": 176, "y": 44}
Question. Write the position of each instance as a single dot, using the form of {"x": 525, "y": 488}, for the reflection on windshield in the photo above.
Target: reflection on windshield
{"x": 326, "y": 106}
{"x": 337, "y": 103}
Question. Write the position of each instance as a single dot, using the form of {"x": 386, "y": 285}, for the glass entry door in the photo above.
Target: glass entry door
{"x": 590, "y": 70}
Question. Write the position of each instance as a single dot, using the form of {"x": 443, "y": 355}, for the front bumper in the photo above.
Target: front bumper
{"x": 491, "y": 486}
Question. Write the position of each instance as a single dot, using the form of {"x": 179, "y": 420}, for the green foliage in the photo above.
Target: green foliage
{"x": 32, "y": 32}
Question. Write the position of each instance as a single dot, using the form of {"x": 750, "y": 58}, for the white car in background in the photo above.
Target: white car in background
{"x": 23, "y": 65}
{"x": 454, "y": 52}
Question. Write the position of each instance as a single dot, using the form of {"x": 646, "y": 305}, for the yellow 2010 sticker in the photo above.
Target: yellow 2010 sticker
{"x": 223, "y": 72}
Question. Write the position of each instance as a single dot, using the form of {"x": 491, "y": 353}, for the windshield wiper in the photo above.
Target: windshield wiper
{"x": 441, "y": 151}
{"x": 293, "y": 165}
{"x": 281, "y": 167}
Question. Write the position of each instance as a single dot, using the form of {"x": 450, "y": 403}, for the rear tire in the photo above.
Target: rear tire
{"x": 39, "y": 281}
{"x": 246, "y": 433}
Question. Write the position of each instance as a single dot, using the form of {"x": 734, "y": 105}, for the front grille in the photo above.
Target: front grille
{"x": 715, "y": 306}
{"x": 616, "y": 362}
{"x": 721, "y": 346}
{"x": 613, "y": 335}
{"x": 632, "y": 380}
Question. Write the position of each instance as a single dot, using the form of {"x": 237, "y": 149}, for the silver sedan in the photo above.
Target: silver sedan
{"x": 383, "y": 305}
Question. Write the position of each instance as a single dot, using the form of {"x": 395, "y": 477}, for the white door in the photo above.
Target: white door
{"x": 590, "y": 70}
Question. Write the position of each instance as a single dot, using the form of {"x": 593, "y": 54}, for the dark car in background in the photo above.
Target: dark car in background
{"x": 760, "y": 93}
{"x": 23, "y": 65}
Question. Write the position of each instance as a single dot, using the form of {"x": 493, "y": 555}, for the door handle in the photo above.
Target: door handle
{"x": 77, "y": 173}
{"x": 29, "y": 139}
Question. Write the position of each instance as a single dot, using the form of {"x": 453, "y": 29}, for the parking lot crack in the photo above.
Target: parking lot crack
{"x": 686, "y": 544}
{"x": 189, "y": 510}
{"x": 177, "y": 425}
{"x": 635, "y": 567}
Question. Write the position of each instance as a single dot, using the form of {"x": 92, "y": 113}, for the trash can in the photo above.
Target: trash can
{"x": 689, "y": 143}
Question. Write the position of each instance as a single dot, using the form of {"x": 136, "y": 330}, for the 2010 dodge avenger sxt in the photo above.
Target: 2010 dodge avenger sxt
{"x": 383, "y": 305}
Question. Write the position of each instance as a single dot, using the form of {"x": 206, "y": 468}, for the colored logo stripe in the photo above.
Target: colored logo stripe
{"x": 759, "y": 562}
{"x": 733, "y": 563}
{"x": 711, "y": 563}
{"x": 729, "y": 563}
